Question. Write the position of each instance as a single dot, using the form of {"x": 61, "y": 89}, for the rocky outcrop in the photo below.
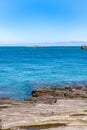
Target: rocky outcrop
{"x": 64, "y": 93}
{"x": 44, "y": 99}
{"x": 22, "y": 115}
{"x": 84, "y": 47}
{"x": 45, "y": 92}
{"x": 49, "y": 109}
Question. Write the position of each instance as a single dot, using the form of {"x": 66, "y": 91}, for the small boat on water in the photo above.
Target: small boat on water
{"x": 84, "y": 47}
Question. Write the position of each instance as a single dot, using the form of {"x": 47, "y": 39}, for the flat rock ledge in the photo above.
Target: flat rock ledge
{"x": 46, "y": 111}
{"x": 66, "y": 92}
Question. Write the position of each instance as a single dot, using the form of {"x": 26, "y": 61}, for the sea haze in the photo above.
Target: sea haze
{"x": 23, "y": 69}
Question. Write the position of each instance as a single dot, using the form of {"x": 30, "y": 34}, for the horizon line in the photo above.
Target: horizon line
{"x": 34, "y": 46}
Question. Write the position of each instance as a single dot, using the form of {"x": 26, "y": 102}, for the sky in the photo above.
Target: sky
{"x": 29, "y": 22}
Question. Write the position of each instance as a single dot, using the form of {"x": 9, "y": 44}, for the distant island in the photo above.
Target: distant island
{"x": 37, "y": 46}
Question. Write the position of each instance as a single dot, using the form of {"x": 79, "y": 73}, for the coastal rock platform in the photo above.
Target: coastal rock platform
{"x": 45, "y": 112}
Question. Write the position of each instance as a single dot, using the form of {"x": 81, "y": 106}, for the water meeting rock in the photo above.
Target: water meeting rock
{"x": 48, "y": 112}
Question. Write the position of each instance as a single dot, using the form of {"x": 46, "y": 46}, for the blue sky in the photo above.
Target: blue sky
{"x": 42, "y": 21}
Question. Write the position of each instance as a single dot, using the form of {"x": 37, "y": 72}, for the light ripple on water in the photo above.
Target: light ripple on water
{"x": 25, "y": 69}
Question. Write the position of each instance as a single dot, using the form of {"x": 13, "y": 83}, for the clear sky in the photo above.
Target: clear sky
{"x": 42, "y": 21}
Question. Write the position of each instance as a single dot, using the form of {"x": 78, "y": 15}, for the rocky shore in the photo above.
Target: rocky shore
{"x": 48, "y": 109}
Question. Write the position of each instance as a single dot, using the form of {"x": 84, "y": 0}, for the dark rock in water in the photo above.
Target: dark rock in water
{"x": 67, "y": 92}
{"x": 5, "y": 98}
{"x": 38, "y": 93}
{"x": 84, "y": 47}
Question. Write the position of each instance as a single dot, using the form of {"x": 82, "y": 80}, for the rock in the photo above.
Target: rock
{"x": 54, "y": 108}
{"x": 38, "y": 93}
{"x": 64, "y": 114}
{"x": 67, "y": 92}
{"x": 69, "y": 128}
{"x": 84, "y": 47}
{"x": 44, "y": 99}
{"x": 5, "y": 98}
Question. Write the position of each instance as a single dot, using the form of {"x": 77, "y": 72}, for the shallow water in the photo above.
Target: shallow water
{"x": 23, "y": 69}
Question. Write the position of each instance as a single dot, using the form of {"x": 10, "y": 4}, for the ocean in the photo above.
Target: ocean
{"x": 23, "y": 69}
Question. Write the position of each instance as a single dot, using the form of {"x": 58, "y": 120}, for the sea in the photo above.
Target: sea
{"x": 24, "y": 69}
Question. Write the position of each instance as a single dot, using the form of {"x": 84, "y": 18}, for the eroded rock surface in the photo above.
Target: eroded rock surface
{"x": 67, "y": 92}
{"x": 44, "y": 112}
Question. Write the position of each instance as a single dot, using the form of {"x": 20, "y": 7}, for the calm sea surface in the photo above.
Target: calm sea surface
{"x": 23, "y": 69}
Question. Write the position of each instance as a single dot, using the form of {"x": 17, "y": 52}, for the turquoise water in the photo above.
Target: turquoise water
{"x": 23, "y": 69}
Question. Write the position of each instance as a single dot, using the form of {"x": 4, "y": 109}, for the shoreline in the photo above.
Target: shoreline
{"x": 27, "y": 92}
{"x": 54, "y": 108}
{"x": 71, "y": 91}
